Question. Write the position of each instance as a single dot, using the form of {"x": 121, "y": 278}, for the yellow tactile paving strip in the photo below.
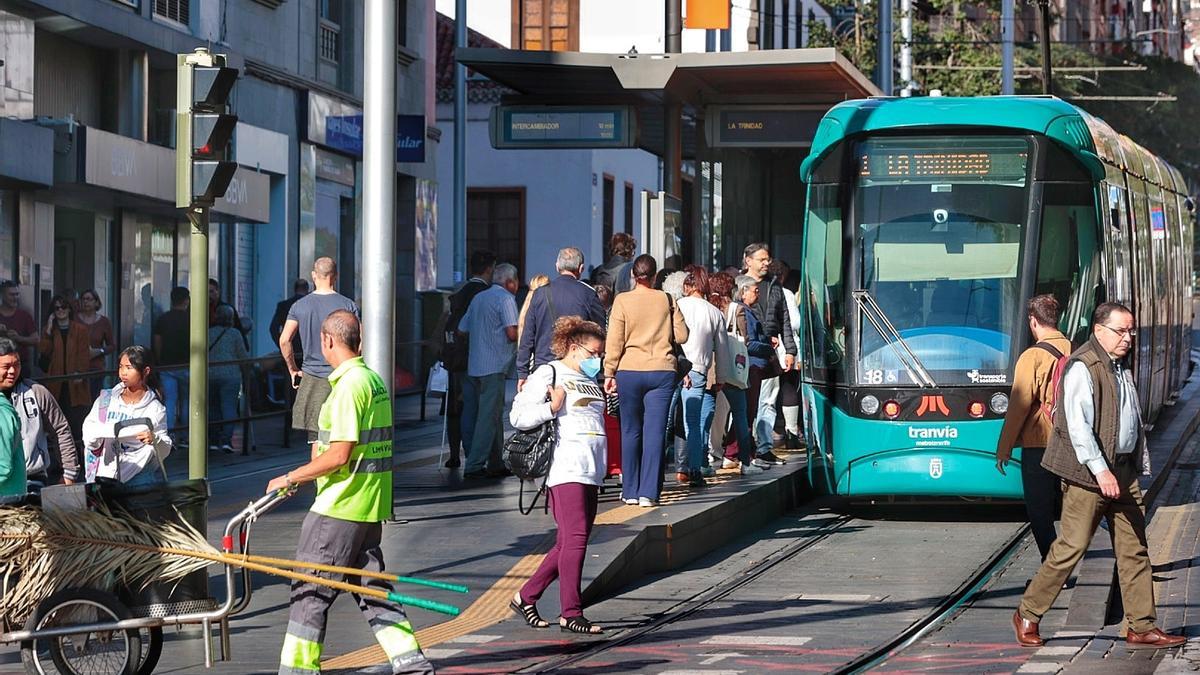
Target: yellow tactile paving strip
{"x": 492, "y": 607}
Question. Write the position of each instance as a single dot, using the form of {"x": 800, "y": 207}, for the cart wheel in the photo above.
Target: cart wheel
{"x": 152, "y": 644}
{"x": 105, "y": 652}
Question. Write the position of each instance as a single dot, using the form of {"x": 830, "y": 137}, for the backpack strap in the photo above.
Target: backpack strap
{"x": 1051, "y": 349}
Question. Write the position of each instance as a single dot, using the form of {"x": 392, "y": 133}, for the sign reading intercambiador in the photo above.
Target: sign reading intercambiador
{"x": 533, "y": 127}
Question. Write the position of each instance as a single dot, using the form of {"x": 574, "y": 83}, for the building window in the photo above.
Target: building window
{"x": 545, "y": 25}
{"x": 402, "y": 23}
{"x": 609, "y": 207}
{"x": 328, "y": 37}
{"x": 175, "y": 10}
{"x": 496, "y": 222}
{"x": 628, "y": 209}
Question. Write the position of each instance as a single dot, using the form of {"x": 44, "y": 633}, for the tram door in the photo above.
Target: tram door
{"x": 1143, "y": 306}
{"x": 1160, "y": 287}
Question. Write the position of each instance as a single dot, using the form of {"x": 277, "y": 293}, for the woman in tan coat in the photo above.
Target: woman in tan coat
{"x": 639, "y": 365}
{"x": 66, "y": 350}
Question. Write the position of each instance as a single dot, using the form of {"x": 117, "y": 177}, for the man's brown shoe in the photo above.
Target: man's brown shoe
{"x": 1153, "y": 639}
{"x": 1027, "y": 631}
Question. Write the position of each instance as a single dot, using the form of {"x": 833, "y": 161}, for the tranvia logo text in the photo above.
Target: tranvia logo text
{"x": 932, "y": 436}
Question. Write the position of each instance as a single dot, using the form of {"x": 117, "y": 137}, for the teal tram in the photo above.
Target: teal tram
{"x": 929, "y": 223}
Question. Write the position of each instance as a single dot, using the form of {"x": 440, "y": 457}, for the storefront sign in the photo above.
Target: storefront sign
{"x": 761, "y": 126}
{"x": 410, "y": 138}
{"x": 529, "y": 127}
{"x": 335, "y": 167}
{"x": 335, "y": 124}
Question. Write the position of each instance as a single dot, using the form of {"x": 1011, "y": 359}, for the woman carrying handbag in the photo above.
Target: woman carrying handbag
{"x": 577, "y": 470}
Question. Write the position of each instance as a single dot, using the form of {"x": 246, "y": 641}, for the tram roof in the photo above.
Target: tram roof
{"x": 1089, "y": 138}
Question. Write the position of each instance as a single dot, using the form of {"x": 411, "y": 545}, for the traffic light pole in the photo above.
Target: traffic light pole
{"x": 198, "y": 343}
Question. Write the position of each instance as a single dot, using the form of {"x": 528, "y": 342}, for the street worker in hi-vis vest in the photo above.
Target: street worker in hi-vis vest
{"x": 352, "y": 467}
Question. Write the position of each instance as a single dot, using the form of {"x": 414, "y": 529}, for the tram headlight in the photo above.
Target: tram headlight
{"x": 891, "y": 410}
{"x": 999, "y": 403}
{"x": 868, "y": 404}
{"x": 976, "y": 409}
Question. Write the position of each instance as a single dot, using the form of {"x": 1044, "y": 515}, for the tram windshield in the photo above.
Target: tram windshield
{"x": 938, "y": 226}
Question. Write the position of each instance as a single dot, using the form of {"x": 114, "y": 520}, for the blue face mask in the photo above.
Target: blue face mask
{"x": 590, "y": 367}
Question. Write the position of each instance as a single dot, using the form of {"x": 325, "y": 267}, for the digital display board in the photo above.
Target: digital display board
{"x": 925, "y": 159}
{"x": 761, "y": 126}
{"x": 532, "y": 127}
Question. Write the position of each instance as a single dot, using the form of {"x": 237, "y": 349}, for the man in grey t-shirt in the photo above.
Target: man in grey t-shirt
{"x": 305, "y": 318}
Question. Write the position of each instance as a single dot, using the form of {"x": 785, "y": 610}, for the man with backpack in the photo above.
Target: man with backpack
{"x": 456, "y": 353}
{"x": 1029, "y": 419}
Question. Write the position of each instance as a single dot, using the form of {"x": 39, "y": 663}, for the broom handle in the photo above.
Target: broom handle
{"x": 294, "y": 576}
{"x": 351, "y": 571}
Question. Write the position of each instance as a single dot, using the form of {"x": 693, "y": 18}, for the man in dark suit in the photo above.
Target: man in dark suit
{"x": 455, "y": 350}
{"x": 565, "y": 295}
{"x": 299, "y": 290}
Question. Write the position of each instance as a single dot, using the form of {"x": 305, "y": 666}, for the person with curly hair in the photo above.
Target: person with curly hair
{"x": 566, "y": 390}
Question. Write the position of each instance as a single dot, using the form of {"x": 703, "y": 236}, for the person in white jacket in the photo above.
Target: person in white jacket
{"x": 132, "y": 456}
{"x": 566, "y": 390}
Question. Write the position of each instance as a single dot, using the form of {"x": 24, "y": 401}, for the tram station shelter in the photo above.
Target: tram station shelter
{"x": 745, "y": 122}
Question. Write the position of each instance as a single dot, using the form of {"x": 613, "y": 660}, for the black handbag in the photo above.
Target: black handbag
{"x": 528, "y": 454}
{"x": 683, "y": 365}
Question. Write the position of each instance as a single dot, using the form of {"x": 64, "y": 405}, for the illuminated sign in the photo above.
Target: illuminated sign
{"x": 531, "y": 127}
{"x": 778, "y": 126}
{"x": 930, "y": 159}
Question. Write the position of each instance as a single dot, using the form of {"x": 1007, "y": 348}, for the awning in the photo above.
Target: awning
{"x": 26, "y": 155}
{"x": 696, "y": 80}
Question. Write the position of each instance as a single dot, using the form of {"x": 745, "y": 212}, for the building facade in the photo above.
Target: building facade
{"x": 87, "y": 88}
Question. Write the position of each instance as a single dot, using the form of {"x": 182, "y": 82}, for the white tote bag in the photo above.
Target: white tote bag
{"x": 733, "y": 362}
{"x": 439, "y": 380}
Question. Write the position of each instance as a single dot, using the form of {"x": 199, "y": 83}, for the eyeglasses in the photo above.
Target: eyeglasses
{"x": 1122, "y": 332}
{"x": 764, "y": 259}
{"x": 60, "y": 308}
{"x": 590, "y": 352}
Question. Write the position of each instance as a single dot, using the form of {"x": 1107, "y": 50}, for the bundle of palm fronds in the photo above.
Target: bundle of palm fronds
{"x": 42, "y": 552}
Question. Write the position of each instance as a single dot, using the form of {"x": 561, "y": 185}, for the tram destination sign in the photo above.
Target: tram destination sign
{"x": 761, "y": 126}
{"x": 534, "y": 127}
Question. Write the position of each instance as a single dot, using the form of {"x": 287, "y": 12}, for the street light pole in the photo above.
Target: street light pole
{"x": 1047, "y": 82}
{"x": 673, "y": 111}
{"x": 198, "y": 345}
{"x": 885, "y": 47}
{"x": 1006, "y": 47}
{"x": 460, "y": 144}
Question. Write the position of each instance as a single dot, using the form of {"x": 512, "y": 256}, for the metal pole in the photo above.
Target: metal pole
{"x": 672, "y": 111}
{"x": 906, "y": 83}
{"x": 885, "y": 47}
{"x": 379, "y": 189}
{"x": 673, "y": 32}
{"x": 460, "y": 144}
{"x": 1047, "y": 82}
{"x": 198, "y": 346}
{"x": 1006, "y": 47}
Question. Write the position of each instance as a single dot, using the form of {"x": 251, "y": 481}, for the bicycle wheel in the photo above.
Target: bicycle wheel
{"x": 100, "y": 652}
{"x": 152, "y": 644}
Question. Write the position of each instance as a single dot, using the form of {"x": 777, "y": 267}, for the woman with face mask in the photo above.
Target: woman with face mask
{"x": 566, "y": 390}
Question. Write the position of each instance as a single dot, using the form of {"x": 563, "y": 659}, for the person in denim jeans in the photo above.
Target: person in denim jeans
{"x": 170, "y": 342}
{"x": 760, "y": 350}
{"x": 224, "y": 382}
{"x": 705, "y": 324}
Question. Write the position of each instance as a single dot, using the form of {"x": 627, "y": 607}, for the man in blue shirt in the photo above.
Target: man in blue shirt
{"x": 491, "y": 326}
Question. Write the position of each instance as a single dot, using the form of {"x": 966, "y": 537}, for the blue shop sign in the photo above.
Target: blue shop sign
{"x": 345, "y": 133}
{"x": 410, "y": 138}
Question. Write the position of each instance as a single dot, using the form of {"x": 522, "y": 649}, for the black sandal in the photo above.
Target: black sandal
{"x": 578, "y": 624}
{"x": 528, "y": 612}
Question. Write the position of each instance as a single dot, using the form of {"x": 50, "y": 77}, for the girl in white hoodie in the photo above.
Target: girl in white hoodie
{"x": 134, "y": 460}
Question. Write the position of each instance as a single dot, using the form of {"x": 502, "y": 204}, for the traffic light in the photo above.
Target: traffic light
{"x": 204, "y": 129}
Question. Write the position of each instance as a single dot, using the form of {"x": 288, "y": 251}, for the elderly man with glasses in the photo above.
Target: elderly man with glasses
{"x": 1097, "y": 448}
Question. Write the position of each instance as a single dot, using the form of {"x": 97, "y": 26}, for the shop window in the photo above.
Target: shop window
{"x": 609, "y": 209}
{"x": 496, "y": 222}
{"x": 546, "y": 25}
{"x": 178, "y": 11}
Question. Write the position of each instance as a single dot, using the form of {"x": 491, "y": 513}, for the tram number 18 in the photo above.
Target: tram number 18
{"x": 874, "y": 377}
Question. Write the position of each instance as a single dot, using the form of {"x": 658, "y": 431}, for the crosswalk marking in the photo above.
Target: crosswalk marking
{"x": 475, "y": 639}
{"x": 760, "y": 640}
{"x": 437, "y": 653}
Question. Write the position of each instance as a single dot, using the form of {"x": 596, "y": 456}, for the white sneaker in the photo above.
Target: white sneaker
{"x": 646, "y": 502}
{"x": 760, "y": 463}
{"x": 631, "y": 502}
{"x": 752, "y": 468}
{"x": 727, "y": 463}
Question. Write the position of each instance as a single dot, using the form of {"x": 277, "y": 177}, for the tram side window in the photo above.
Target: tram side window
{"x": 1067, "y": 249}
{"x": 824, "y": 315}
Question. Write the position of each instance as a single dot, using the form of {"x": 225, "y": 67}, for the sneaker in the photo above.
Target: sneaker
{"x": 632, "y": 501}
{"x": 727, "y": 463}
{"x": 792, "y": 441}
{"x": 453, "y": 463}
{"x": 682, "y": 478}
{"x": 708, "y": 472}
{"x": 214, "y": 448}
{"x": 771, "y": 458}
{"x": 695, "y": 479}
{"x": 646, "y": 502}
{"x": 760, "y": 463}
{"x": 227, "y": 448}
{"x": 752, "y": 468}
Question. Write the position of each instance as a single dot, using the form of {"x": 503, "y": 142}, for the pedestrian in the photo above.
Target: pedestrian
{"x": 1097, "y": 447}
{"x": 706, "y": 326}
{"x": 135, "y": 460}
{"x": 789, "y": 380}
{"x": 51, "y": 453}
{"x": 310, "y": 377}
{"x": 565, "y": 295}
{"x": 352, "y": 468}
{"x": 170, "y": 341}
{"x": 748, "y": 328}
{"x": 639, "y": 367}
{"x": 224, "y": 381}
{"x": 279, "y": 318}
{"x": 577, "y": 470}
{"x": 771, "y": 311}
{"x": 215, "y": 302}
{"x": 490, "y": 326}
{"x": 64, "y": 349}
{"x": 605, "y": 295}
{"x": 720, "y": 295}
{"x": 15, "y": 323}
{"x": 456, "y": 355}
{"x": 615, "y": 273}
{"x": 100, "y": 335}
{"x": 12, "y": 463}
{"x": 535, "y": 282}
{"x": 1028, "y": 422}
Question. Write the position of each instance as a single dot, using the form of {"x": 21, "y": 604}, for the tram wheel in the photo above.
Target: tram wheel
{"x": 105, "y": 652}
